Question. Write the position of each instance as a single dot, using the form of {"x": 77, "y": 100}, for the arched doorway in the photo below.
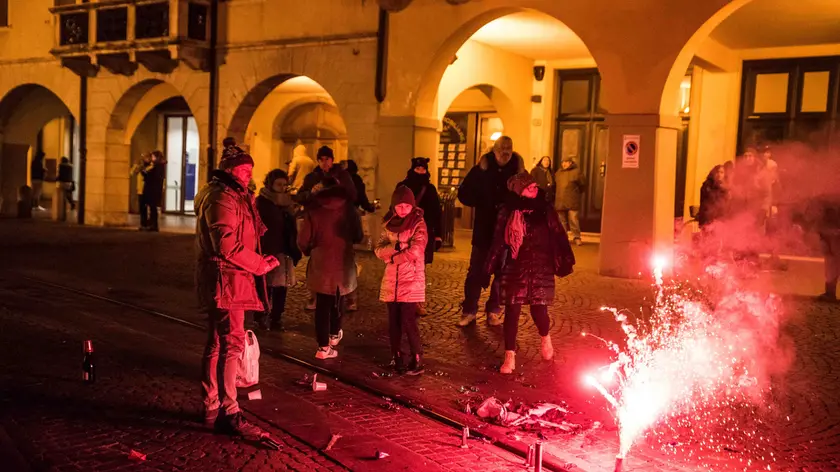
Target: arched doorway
{"x": 544, "y": 84}
{"x": 33, "y": 119}
{"x": 752, "y": 85}
{"x": 283, "y": 113}
{"x": 153, "y": 115}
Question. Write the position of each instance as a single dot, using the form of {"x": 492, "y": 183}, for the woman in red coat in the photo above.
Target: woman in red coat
{"x": 531, "y": 247}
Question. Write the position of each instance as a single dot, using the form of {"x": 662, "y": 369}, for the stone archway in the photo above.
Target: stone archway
{"x": 24, "y": 112}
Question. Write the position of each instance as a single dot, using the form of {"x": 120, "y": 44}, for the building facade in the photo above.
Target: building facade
{"x": 382, "y": 81}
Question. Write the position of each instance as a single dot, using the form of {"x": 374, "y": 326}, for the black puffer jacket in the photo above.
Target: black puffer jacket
{"x": 485, "y": 189}
{"x": 544, "y": 254}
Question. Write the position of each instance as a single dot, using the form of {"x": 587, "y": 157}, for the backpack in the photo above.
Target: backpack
{"x": 248, "y": 372}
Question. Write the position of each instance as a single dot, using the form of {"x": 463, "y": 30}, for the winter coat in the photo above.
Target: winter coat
{"x": 544, "y": 254}
{"x": 430, "y": 204}
{"x": 404, "y": 279}
{"x": 362, "y": 200}
{"x": 280, "y": 241}
{"x": 714, "y": 203}
{"x": 153, "y": 181}
{"x": 545, "y": 181}
{"x": 227, "y": 234}
{"x": 300, "y": 166}
{"x": 570, "y": 185}
{"x": 485, "y": 189}
{"x": 37, "y": 170}
{"x": 65, "y": 173}
{"x": 317, "y": 176}
{"x": 330, "y": 227}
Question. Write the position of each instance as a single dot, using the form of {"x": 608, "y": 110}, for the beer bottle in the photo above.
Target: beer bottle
{"x": 88, "y": 368}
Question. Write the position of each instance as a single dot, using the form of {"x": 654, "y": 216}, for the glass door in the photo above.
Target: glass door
{"x": 182, "y": 148}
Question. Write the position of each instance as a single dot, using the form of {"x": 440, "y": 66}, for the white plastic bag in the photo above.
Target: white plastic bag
{"x": 248, "y": 373}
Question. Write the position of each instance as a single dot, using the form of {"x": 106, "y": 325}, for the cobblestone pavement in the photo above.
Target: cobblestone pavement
{"x": 146, "y": 399}
{"x": 155, "y": 270}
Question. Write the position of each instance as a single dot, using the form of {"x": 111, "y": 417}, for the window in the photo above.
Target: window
{"x": 4, "y": 13}
{"x": 771, "y": 93}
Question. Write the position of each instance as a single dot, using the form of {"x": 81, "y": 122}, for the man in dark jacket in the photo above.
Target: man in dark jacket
{"x": 228, "y": 228}
{"x": 37, "y": 171}
{"x": 485, "y": 189}
{"x": 327, "y": 167}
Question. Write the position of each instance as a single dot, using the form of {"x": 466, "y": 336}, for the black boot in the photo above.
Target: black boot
{"x": 237, "y": 425}
{"x": 399, "y": 364}
{"x": 416, "y": 367}
{"x": 276, "y": 323}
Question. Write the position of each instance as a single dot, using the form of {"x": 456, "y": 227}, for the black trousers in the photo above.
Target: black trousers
{"x": 328, "y": 311}
{"x": 143, "y": 209}
{"x": 278, "y": 305}
{"x": 402, "y": 319}
{"x": 538, "y": 312}
{"x": 148, "y": 213}
{"x": 473, "y": 283}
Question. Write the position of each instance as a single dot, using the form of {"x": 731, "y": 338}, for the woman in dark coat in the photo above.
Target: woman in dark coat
{"x": 714, "y": 198}
{"x": 530, "y": 246}
{"x": 426, "y": 196}
{"x": 331, "y": 226}
{"x": 544, "y": 176}
{"x": 275, "y": 206}
{"x": 154, "y": 177}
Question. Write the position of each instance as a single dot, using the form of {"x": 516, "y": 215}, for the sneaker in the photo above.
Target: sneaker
{"x": 495, "y": 319}
{"x": 466, "y": 320}
{"x": 326, "y": 353}
{"x": 310, "y": 305}
{"x": 210, "y": 417}
{"x": 510, "y": 363}
{"x": 336, "y": 338}
{"x": 415, "y": 367}
{"x": 546, "y": 348}
{"x": 237, "y": 425}
{"x": 578, "y": 242}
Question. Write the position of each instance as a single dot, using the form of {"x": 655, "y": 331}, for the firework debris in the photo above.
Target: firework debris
{"x": 334, "y": 439}
{"x": 380, "y": 455}
{"x": 136, "y": 456}
{"x": 540, "y": 417}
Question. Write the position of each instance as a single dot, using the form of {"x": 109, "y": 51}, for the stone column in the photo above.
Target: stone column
{"x": 396, "y": 148}
{"x": 638, "y": 218}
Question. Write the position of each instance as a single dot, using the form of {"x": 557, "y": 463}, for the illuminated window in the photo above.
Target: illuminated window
{"x": 815, "y": 92}
{"x": 771, "y": 93}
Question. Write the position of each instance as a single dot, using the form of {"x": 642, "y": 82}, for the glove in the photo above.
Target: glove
{"x": 268, "y": 264}
{"x": 438, "y": 244}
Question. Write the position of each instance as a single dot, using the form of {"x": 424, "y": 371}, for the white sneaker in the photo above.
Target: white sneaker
{"x": 510, "y": 363}
{"x": 326, "y": 353}
{"x": 334, "y": 340}
{"x": 495, "y": 319}
{"x": 466, "y": 320}
{"x": 546, "y": 348}
{"x": 310, "y": 305}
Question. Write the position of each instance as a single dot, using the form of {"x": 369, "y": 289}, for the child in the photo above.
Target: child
{"x": 402, "y": 246}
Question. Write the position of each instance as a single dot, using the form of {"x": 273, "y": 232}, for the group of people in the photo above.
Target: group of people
{"x": 150, "y": 172}
{"x": 247, "y": 248}
{"x": 564, "y": 189}
{"x": 63, "y": 180}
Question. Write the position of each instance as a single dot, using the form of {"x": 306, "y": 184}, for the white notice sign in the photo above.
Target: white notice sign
{"x": 630, "y": 152}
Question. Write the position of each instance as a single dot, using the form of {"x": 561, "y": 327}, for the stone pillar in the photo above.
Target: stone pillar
{"x": 107, "y": 188}
{"x": 59, "y": 205}
{"x": 396, "y": 148}
{"x": 14, "y": 161}
{"x": 638, "y": 218}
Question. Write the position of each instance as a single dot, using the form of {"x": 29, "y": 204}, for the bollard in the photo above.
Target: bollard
{"x": 538, "y": 456}
{"x": 464, "y": 436}
{"x": 529, "y": 461}
{"x": 619, "y": 464}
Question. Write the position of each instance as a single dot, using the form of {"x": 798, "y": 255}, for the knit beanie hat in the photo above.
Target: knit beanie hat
{"x": 325, "y": 151}
{"x": 520, "y": 182}
{"x": 402, "y": 194}
{"x": 234, "y": 156}
{"x": 420, "y": 162}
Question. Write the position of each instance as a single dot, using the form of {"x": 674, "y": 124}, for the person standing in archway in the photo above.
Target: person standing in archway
{"x": 418, "y": 180}
{"x": 570, "y": 185}
{"x": 300, "y": 166}
{"x": 137, "y": 172}
{"x": 485, "y": 189}
{"x": 37, "y": 174}
{"x": 154, "y": 177}
{"x": 544, "y": 175}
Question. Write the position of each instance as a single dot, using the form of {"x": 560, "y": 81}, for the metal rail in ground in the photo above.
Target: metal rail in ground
{"x": 548, "y": 464}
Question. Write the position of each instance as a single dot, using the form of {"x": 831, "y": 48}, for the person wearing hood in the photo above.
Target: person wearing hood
{"x": 331, "y": 226}
{"x": 570, "y": 186}
{"x": 544, "y": 176}
{"x": 275, "y": 206}
{"x": 529, "y": 248}
{"x": 327, "y": 168}
{"x": 402, "y": 246}
{"x": 228, "y": 229}
{"x": 485, "y": 189}
{"x": 300, "y": 166}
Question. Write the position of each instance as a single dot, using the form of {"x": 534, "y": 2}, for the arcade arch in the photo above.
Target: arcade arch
{"x": 32, "y": 118}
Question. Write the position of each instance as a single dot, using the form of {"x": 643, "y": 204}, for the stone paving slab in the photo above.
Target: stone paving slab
{"x": 156, "y": 271}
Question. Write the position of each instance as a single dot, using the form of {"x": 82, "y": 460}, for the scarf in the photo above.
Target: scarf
{"x": 283, "y": 199}
{"x": 395, "y": 224}
{"x": 516, "y": 228}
